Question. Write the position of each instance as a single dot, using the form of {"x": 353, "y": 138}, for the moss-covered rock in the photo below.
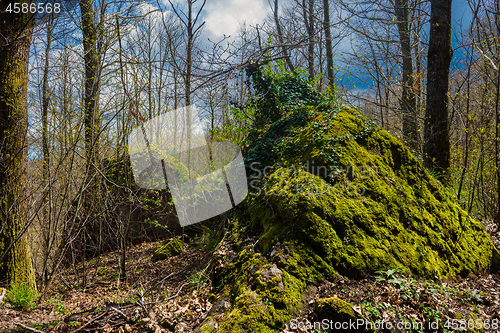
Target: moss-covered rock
{"x": 332, "y": 193}
{"x": 172, "y": 248}
{"x": 356, "y": 197}
{"x": 208, "y": 326}
{"x": 264, "y": 295}
{"x": 339, "y": 315}
{"x": 335, "y": 309}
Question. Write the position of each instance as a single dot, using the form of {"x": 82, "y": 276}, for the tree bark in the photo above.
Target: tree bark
{"x": 328, "y": 41}
{"x": 91, "y": 60}
{"x": 46, "y": 213}
{"x": 15, "y": 258}
{"x": 90, "y": 217}
{"x": 437, "y": 138}
{"x": 408, "y": 98}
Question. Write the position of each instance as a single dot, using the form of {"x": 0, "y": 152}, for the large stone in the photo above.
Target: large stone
{"x": 334, "y": 309}
{"x": 352, "y": 194}
{"x": 172, "y": 248}
{"x": 330, "y": 193}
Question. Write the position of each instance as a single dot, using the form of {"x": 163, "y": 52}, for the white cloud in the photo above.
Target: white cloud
{"x": 226, "y": 16}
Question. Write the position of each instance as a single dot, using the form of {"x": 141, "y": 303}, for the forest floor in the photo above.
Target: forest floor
{"x": 177, "y": 295}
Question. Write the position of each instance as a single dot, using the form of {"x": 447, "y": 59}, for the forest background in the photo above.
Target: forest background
{"x": 98, "y": 69}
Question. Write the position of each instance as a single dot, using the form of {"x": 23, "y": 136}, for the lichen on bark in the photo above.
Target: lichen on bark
{"x": 15, "y": 259}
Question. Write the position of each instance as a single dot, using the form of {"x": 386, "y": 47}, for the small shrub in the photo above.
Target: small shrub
{"x": 22, "y": 297}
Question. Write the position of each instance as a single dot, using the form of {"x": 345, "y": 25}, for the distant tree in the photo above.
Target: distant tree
{"x": 328, "y": 42}
{"x": 284, "y": 49}
{"x": 15, "y": 258}
{"x": 436, "y": 135}
{"x": 308, "y": 12}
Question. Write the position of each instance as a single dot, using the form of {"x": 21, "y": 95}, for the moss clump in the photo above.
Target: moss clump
{"x": 208, "y": 326}
{"x": 172, "y": 248}
{"x": 264, "y": 295}
{"x": 338, "y": 311}
{"x": 335, "y": 309}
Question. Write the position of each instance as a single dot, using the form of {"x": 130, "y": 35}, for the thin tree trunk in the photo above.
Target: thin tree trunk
{"x": 497, "y": 147}
{"x": 309, "y": 23}
{"x": 288, "y": 61}
{"x": 467, "y": 130}
{"x": 189, "y": 53}
{"x": 328, "y": 41}
{"x": 48, "y": 233}
{"x": 497, "y": 115}
{"x": 379, "y": 88}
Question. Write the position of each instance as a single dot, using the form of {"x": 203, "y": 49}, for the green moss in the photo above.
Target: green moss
{"x": 335, "y": 309}
{"x": 341, "y": 196}
{"x": 16, "y": 266}
{"x": 208, "y": 326}
{"x": 172, "y": 248}
{"x": 265, "y": 296}
{"x": 362, "y": 202}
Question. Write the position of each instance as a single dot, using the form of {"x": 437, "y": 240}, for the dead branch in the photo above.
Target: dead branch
{"x": 31, "y": 329}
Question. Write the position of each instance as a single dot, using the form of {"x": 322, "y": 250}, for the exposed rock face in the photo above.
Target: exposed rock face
{"x": 332, "y": 193}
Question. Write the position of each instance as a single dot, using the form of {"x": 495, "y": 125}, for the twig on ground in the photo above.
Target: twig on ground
{"x": 31, "y": 329}
{"x": 120, "y": 313}
{"x": 91, "y": 321}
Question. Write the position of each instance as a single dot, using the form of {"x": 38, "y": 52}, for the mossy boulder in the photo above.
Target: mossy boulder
{"x": 338, "y": 313}
{"x": 264, "y": 295}
{"x": 351, "y": 193}
{"x": 331, "y": 193}
{"x": 208, "y": 326}
{"x": 333, "y": 308}
{"x": 172, "y": 248}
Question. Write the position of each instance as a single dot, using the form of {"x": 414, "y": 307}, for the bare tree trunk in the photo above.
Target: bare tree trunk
{"x": 378, "y": 70}
{"x": 15, "y": 258}
{"x": 91, "y": 193}
{"x": 189, "y": 54}
{"x": 288, "y": 61}
{"x": 48, "y": 234}
{"x": 497, "y": 116}
{"x": 497, "y": 147}
{"x": 408, "y": 98}
{"x": 309, "y": 23}
{"x": 437, "y": 138}
{"x": 329, "y": 49}
{"x": 467, "y": 130}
